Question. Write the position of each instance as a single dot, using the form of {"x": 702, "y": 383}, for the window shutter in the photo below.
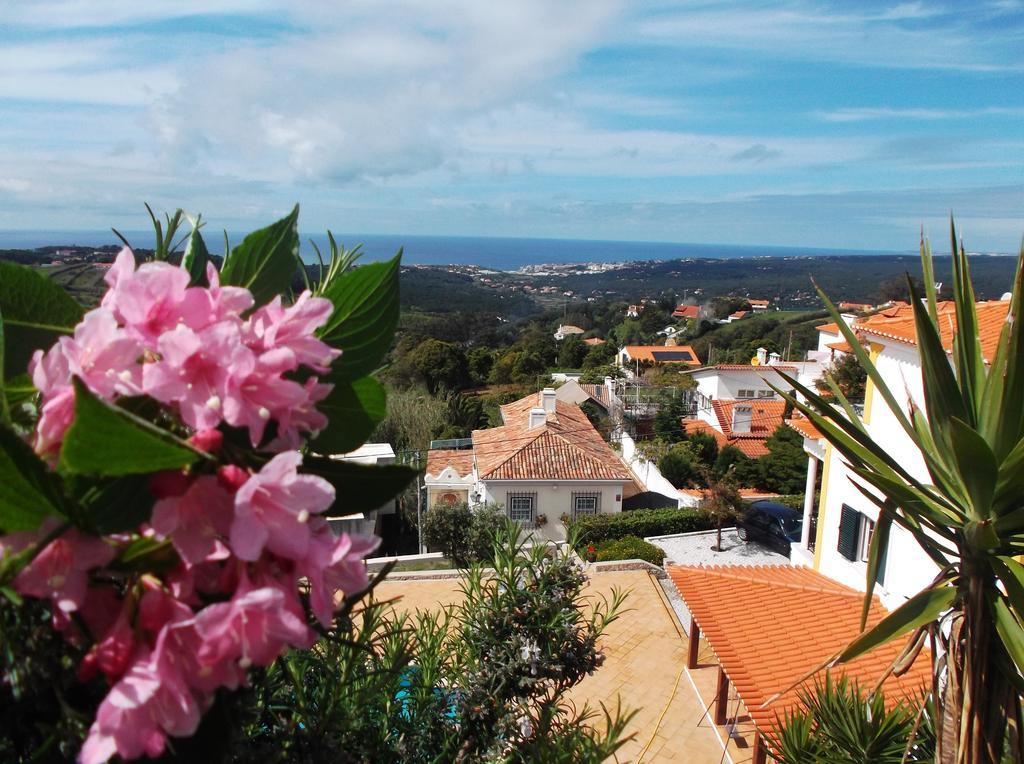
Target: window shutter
{"x": 849, "y": 532}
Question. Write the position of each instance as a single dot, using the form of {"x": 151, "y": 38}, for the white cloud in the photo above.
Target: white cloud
{"x": 864, "y": 114}
{"x": 803, "y": 31}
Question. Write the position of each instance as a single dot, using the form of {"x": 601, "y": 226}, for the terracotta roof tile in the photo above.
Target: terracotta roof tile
{"x": 770, "y": 625}
{"x": 752, "y": 367}
{"x": 805, "y": 427}
{"x": 593, "y": 341}
{"x": 441, "y": 458}
{"x": 897, "y": 323}
{"x": 759, "y": 302}
{"x": 830, "y": 328}
{"x": 565, "y": 447}
{"x": 766, "y": 416}
{"x": 686, "y": 311}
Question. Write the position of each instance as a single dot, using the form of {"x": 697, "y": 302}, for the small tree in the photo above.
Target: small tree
{"x": 848, "y": 375}
{"x": 463, "y": 535}
{"x": 679, "y": 467}
{"x": 721, "y": 502}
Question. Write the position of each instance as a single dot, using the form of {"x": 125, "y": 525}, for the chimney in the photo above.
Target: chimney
{"x": 547, "y": 400}
{"x": 762, "y": 357}
{"x": 774, "y": 358}
{"x": 537, "y": 418}
{"x": 742, "y": 417}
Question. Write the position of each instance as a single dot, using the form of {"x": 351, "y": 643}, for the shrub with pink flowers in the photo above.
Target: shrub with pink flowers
{"x": 165, "y": 487}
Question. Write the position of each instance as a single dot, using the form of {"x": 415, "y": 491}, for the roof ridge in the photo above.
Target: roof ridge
{"x": 514, "y": 451}
{"x": 716, "y": 570}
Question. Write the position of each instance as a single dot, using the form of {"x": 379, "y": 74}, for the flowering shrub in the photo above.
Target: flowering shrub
{"x": 158, "y": 491}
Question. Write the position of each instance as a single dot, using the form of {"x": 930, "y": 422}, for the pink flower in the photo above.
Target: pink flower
{"x": 61, "y": 571}
{"x": 104, "y": 355}
{"x": 150, "y": 300}
{"x": 253, "y": 628}
{"x": 303, "y": 417}
{"x": 294, "y": 328}
{"x": 150, "y": 702}
{"x": 51, "y": 376}
{"x": 209, "y": 441}
{"x": 257, "y": 393}
{"x": 334, "y": 565}
{"x": 225, "y": 301}
{"x": 273, "y": 508}
{"x": 113, "y": 652}
{"x": 193, "y": 371}
{"x": 195, "y": 519}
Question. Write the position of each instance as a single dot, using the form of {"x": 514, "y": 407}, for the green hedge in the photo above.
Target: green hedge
{"x": 794, "y": 500}
{"x": 630, "y": 548}
{"x": 593, "y": 529}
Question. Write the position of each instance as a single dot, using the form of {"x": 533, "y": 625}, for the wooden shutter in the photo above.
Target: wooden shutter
{"x": 849, "y": 533}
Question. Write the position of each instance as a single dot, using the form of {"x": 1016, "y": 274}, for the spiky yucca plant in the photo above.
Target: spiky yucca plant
{"x": 840, "y": 723}
{"x": 967, "y": 515}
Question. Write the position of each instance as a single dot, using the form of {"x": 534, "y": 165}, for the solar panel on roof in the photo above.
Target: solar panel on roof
{"x": 672, "y": 355}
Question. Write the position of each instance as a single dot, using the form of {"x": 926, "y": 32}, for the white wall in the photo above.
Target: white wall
{"x": 646, "y": 471}
{"x": 725, "y": 384}
{"x": 908, "y": 568}
{"x": 554, "y": 498}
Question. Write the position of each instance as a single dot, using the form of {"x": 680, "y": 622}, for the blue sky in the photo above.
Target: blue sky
{"x": 803, "y": 123}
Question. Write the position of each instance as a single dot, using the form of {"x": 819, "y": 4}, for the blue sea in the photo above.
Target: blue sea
{"x": 487, "y": 252}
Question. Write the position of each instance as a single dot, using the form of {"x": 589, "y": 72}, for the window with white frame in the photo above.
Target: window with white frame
{"x": 586, "y": 503}
{"x": 867, "y": 530}
{"x": 765, "y": 393}
{"x": 745, "y": 394}
{"x": 522, "y": 507}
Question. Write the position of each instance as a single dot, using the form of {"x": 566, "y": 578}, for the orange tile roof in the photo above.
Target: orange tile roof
{"x": 565, "y": 447}
{"x": 842, "y": 347}
{"x": 593, "y": 341}
{"x": 767, "y": 416}
{"x": 738, "y": 314}
{"x": 751, "y": 367}
{"x": 830, "y": 328}
{"x": 805, "y": 427}
{"x": 645, "y": 353}
{"x": 855, "y": 306}
{"x": 897, "y": 323}
{"x": 441, "y": 458}
{"x": 759, "y": 302}
{"x": 770, "y": 625}
{"x": 686, "y": 311}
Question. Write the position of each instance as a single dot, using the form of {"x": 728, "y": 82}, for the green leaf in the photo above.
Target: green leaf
{"x": 264, "y": 262}
{"x": 120, "y": 505}
{"x": 879, "y": 542}
{"x": 36, "y": 312}
{"x": 920, "y": 609}
{"x": 29, "y": 491}
{"x": 976, "y": 466}
{"x": 1011, "y": 573}
{"x": 365, "y": 317}
{"x": 196, "y": 257}
{"x": 1009, "y": 630}
{"x": 109, "y": 441}
{"x": 360, "y": 488}
{"x": 353, "y": 410}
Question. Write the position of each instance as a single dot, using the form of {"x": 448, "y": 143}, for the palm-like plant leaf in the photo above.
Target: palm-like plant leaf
{"x": 967, "y": 514}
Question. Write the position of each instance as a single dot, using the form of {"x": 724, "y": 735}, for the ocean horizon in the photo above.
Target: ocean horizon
{"x": 497, "y": 253}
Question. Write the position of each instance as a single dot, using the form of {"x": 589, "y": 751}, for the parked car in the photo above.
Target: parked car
{"x": 774, "y": 525}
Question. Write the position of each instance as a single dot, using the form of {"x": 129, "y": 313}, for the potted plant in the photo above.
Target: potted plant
{"x": 591, "y": 553}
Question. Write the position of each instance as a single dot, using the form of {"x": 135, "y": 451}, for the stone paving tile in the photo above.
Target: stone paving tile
{"x": 644, "y": 668}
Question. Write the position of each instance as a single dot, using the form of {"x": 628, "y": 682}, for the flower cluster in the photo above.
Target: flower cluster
{"x": 254, "y": 564}
{"x": 189, "y": 348}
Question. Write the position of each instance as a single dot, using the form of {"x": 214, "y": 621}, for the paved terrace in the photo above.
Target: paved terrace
{"x": 644, "y": 669}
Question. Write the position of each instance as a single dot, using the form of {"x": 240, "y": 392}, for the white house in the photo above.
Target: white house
{"x": 759, "y": 306}
{"x": 370, "y": 454}
{"x": 546, "y": 461}
{"x": 843, "y": 519}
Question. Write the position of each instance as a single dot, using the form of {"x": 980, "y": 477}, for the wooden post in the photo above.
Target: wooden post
{"x": 760, "y": 754}
{"x": 721, "y": 697}
{"x": 691, "y": 656}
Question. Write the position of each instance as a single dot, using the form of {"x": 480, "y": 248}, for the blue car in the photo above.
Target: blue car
{"x": 774, "y": 525}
